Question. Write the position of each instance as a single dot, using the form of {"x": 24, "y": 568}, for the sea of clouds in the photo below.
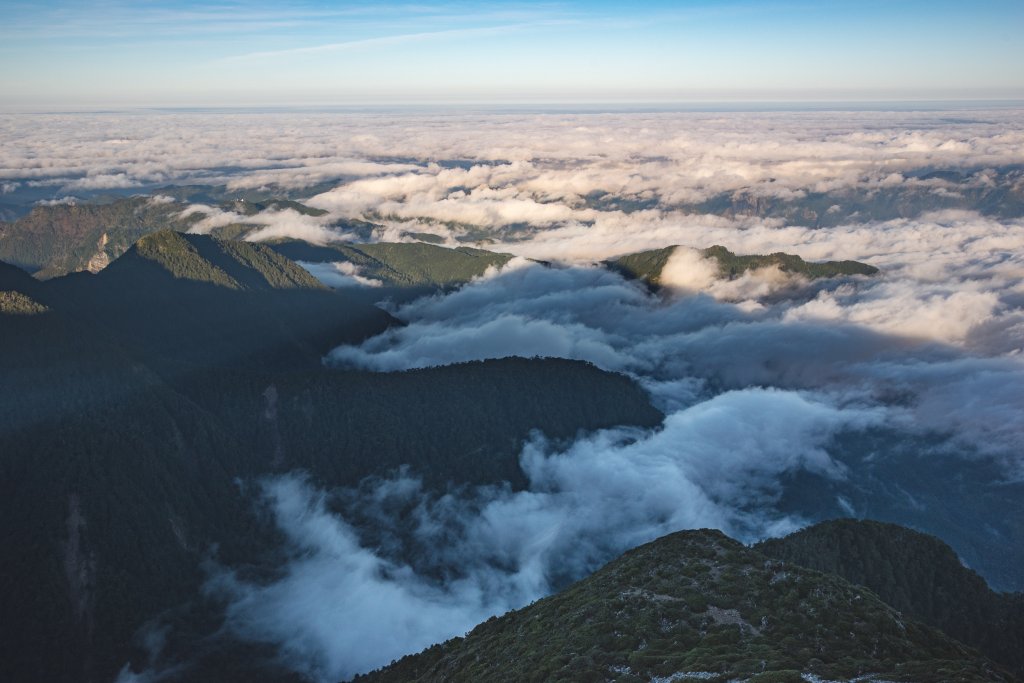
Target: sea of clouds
{"x": 760, "y": 377}
{"x": 610, "y": 183}
{"x": 756, "y": 388}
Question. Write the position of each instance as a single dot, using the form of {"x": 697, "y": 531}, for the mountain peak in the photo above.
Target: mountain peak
{"x": 917, "y": 574}
{"x": 648, "y": 265}
{"x": 234, "y": 265}
{"x": 698, "y": 604}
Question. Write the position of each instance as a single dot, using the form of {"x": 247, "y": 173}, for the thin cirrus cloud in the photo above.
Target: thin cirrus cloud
{"x": 386, "y": 41}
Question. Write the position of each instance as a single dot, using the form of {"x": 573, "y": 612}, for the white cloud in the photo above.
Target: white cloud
{"x": 832, "y": 336}
{"x": 687, "y": 271}
{"x": 342, "y": 608}
{"x": 554, "y": 160}
{"x": 339, "y": 274}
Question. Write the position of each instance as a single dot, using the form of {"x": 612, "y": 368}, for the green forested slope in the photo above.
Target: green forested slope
{"x": 57, "y": 239}
{"x": 401, "y": 264}
{"x": 200, "y": 258}
{"x": 647, "y": 265}
{"x": 917, "y": 574}
{"x": 63, "y": 238}
{"x": 699, "y": 603}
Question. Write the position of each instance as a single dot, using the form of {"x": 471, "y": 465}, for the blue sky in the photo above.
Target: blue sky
{"x": 108, "y": 53}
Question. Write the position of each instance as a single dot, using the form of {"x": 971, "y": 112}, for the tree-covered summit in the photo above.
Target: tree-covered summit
{"x": 648, "y": 265}
{"x": 917, "y": 574}
{"x": 227, "y": 263}
{"x": 699, "y": 605}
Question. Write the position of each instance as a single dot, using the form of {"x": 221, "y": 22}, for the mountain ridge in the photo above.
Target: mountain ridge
{"x": 917, "y": 574}
{"x": 132, "y": 409}
{"x": 647, "y": 266}
{"x": 697, "y": 604}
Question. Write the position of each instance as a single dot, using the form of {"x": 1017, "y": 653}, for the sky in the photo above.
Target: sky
{"x": 57, "y": 54}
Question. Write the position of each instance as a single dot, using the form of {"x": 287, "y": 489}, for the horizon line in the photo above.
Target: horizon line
{"x": 525, "y": 104}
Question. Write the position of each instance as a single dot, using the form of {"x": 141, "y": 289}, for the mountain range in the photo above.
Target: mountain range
{"x": 137, "y": 400}
{"x": 57, "y": 239}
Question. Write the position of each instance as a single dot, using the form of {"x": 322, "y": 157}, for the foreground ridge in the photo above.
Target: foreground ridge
{"x": 699, "y": 605}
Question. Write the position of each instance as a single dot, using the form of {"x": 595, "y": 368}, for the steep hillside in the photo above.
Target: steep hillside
{"x": 401, "y": 264}
{"x": 112, "y": 485}
{"x": 917, "y": 574}
{"x": 698, "y": 605}
{"x": 62, "y": 238}
{"x": 117, "y": 486}
{"x": 134, "y": 405}
{"x": 18, "y": 291}
{"x": 184, "y": 302}
{"x": 200, "y": 258}
{"x": 56, "y": 239}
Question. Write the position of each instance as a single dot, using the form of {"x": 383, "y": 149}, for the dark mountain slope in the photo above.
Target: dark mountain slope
{"x": 461, "y": 423}
{"x": 917, "y": 574}
{"x": 698, "y": 602}
{"x": 903, "y": 478}
{"x": 132, "y": 408}
{"x": 116, "y": 486}
{"x": 15, "y": 279}
{"x": 18, "y": 290}
{"x": 183, "y": 303}
{"x": 110, "y": 492}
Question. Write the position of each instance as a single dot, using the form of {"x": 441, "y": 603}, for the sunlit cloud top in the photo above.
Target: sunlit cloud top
{"x": 62, "y": 53}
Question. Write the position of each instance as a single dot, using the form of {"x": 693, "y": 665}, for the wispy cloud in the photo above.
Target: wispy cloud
{"x": 114, "y": 20}
{"x": 387, "y": 41}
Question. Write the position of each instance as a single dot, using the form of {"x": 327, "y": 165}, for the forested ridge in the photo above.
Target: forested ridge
{"x": 917, "y": 574}
{"x": 647, "y": 266}
{"x": 700, "y": 603}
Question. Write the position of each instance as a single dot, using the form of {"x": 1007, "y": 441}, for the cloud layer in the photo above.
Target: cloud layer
{"x": 342, "y": 608}
{"x": 759, "y": 393}
{"x": 620, "y": 176}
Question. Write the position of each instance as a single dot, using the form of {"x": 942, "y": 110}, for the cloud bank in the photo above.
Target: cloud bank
{"x": 759, "y": 394}
{"x": 485, "y": 175}
{"x": 343, "y": 608}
